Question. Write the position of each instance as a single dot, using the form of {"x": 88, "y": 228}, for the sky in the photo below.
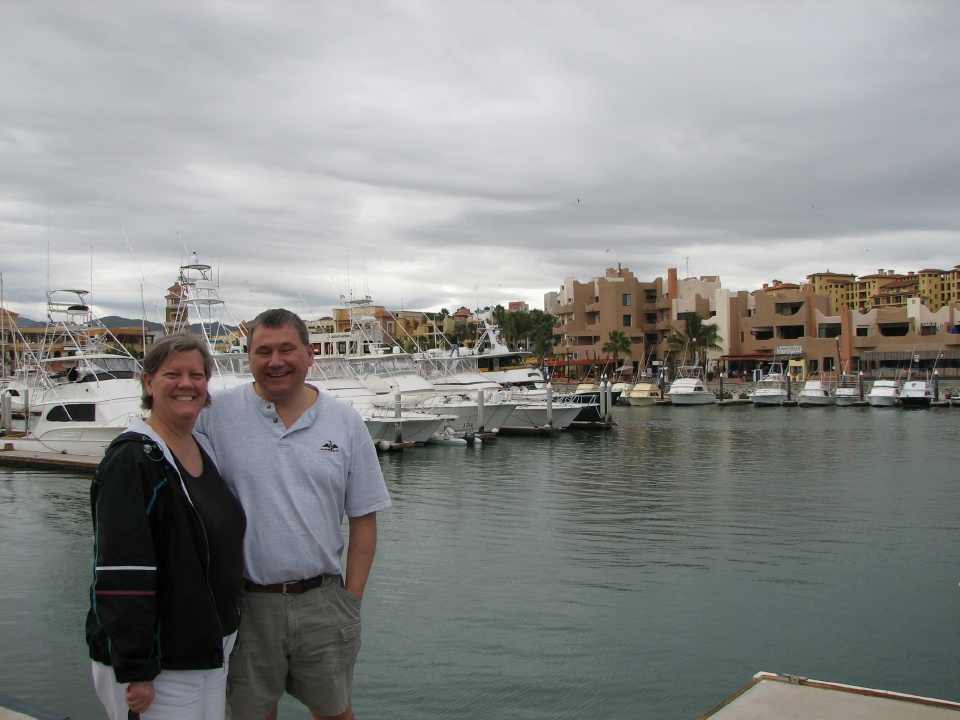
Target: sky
{"x": 439, "y": 153}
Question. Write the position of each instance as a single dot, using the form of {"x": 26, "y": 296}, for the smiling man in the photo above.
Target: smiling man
{"x": 298, "y": 460}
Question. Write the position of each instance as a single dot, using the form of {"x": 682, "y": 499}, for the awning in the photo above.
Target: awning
{"x": 753, "y": 356}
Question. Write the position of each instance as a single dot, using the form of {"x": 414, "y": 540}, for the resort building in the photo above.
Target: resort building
{"x": 831, "y": 324}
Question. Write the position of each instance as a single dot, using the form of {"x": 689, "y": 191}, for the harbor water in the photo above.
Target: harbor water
{"x": 645, "y": 571}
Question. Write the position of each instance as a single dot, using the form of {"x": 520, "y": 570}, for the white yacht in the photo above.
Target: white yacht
{"x": 815, "y": 393}
{"x": 771, "y": 389}
{"x": 644, "y": 392}
{"x": 884, "y": 393}
{"x": 848, "y": 392}
{"x": 689, "y": 387}
{"x": 86, "y": 387}
{"x": 916, "y": 394}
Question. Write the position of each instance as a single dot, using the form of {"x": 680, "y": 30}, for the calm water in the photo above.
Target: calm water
{"x": 643, "y": 572}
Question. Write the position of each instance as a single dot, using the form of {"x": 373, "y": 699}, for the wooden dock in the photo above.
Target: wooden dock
{"x": 787, "y": 697}
{"x": 49, "y": 461}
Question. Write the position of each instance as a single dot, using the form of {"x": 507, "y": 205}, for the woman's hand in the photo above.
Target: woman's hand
{"x": 139, "y": 695}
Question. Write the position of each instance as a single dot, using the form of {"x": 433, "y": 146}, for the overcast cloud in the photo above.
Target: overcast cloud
{"x": 444, "y": 153}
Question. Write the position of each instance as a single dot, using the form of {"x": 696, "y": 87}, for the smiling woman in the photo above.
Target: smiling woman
{"x": 165, "y": 523}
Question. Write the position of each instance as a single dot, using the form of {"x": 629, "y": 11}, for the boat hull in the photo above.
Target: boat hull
{"x": 690, "y": 391}
{"x": 537, "y": 416}
{"x": 766, "y": 398}
{"x": 815, "y": 400}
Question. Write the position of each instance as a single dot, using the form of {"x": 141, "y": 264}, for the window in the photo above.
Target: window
{"x": 627, "y": 300}
{"x": 72, "y": 412}
{"x": 627, "y": 320}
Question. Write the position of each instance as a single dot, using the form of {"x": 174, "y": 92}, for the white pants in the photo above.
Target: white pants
{"x": 178, "y": 694}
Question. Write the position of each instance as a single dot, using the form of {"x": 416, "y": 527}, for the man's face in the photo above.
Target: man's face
{"x": 279, "y": 362}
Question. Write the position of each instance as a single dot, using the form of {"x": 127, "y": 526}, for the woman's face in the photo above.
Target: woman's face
{"x": 178, "y": 389}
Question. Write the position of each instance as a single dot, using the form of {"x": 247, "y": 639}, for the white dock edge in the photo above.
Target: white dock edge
{"x": 786, "y": 697}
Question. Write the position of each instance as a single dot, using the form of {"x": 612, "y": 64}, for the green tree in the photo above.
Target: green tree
{"x": 619, "y": 344}
{"x": 696, "y": 338}
{"x": 540, "y": 335}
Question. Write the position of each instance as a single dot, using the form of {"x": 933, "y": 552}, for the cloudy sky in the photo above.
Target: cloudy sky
{"x": 443, "y": 152}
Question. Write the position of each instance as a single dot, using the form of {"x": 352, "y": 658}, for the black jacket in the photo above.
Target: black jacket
{"x": 151, "y": 607}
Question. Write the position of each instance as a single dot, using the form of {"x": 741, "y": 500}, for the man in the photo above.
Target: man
{"x": 298, "y": 461}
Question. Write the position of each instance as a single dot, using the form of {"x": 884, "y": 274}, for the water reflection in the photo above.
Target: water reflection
{"x": 596, "y": 572}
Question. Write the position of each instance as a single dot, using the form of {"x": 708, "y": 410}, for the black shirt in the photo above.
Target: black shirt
{"x": 224, "y": 524}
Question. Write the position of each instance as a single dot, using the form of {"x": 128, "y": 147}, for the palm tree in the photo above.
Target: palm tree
{"x": 697, "y": 337}
{"x": 618, "y": 343}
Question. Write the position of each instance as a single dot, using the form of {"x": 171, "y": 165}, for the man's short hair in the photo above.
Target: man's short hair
{"x": 277, "y": 318}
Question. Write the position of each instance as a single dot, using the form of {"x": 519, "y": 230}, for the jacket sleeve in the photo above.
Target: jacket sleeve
{"x": 123, "y": 596}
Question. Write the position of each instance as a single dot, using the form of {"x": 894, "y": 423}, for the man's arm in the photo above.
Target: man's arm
{"x": 362, "y": 548}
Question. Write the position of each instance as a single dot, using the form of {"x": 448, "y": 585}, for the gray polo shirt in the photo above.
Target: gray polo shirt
{"x": 295, "y": 484}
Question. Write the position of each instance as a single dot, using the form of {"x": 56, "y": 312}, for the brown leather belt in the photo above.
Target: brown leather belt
{"x": 293, "y": 587}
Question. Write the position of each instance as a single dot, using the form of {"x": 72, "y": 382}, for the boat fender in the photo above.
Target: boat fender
{"x": 384, "y": 445}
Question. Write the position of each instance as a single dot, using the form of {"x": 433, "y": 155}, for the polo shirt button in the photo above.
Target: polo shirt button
{"x": 276, "y": 420}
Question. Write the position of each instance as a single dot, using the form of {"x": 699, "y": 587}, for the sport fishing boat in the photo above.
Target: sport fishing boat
{"x": 86, "y": 387}
{"x": 916, "y": 394}
{"x": 815, "y": 393}
{"x": 771, "y": 389}
{"x": 644, "y": 392}
{"x": 884, "y": 393}
{"x": 689, "y": 388}
{"x": 847, "y": 392}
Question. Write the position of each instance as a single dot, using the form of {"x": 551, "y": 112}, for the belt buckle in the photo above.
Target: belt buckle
{"x": 289, "y": 582}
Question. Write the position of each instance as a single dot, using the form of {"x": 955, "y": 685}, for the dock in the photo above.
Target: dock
{"x": 788, "y": 697}
{"x": 592, "y": 425}
{"x": 538, "y": 430}
{"x": 49, "y": 461}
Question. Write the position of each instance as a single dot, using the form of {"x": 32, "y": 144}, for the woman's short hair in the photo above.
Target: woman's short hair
{"x": 166, "y": 346}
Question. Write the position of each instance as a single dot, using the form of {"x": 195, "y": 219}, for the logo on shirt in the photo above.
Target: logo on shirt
{"x": 329, "y": 446}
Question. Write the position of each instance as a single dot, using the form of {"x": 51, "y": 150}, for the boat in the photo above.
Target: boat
{"x": 387, "y": 423}
{"x": 689, "y": 388}
{"x": 596, "y": 399}
{"x": 86, "y": 386}
{"x": 199, "y": 303}
{"x": 644, "y": 392}
{"x": 789, "y": 697}
{"x": 771, "y": 389}
{"x": 458, "y": 376}
{"x": 916, "y": 394}
{"x": 815, "y": 393}
{"x": 508, "y": 368}
{"x": 492, "y": 364}
{"x": 540, "y": 413}
{"x": 884, "y": 393}
{"x": 848, "y": 391}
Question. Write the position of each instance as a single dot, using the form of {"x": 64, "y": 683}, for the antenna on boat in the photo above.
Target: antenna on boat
{"x": 309, "y": 309}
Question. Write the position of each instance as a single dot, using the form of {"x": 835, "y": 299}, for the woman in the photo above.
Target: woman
{"x": 164, "y": 604}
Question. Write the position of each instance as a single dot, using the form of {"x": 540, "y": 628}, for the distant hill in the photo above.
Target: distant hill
{"x": 115, "y": 321}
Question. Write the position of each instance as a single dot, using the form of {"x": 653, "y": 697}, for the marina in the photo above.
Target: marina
{"x": 647, "y": 570}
